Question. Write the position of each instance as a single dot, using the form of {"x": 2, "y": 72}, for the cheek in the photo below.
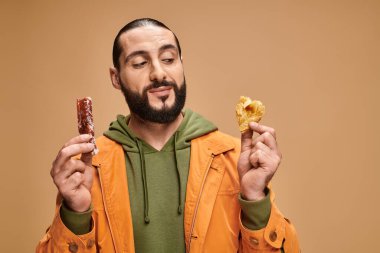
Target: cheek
{"x": 179, "y": 75}
{"x": 135, "y": 82}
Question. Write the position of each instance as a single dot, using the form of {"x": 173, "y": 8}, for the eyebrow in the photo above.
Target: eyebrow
{"x": 143, "y": 52}
{"x": 168, "y": 46}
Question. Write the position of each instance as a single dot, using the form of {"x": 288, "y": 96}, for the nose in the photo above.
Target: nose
{"x": 157, "y": 73}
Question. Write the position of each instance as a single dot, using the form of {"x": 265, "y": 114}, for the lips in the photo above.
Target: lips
{"x": 161, "y": 91}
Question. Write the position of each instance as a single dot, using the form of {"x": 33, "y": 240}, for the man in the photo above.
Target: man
{"x": 165, "y": 180}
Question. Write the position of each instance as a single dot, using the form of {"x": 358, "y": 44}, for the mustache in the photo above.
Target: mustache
{"x": 157, "y": 84}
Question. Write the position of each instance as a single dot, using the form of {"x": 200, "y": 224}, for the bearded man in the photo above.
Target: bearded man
{"x": 165, "y": 179}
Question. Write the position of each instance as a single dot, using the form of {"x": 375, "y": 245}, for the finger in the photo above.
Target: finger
{"x": 72, "y": 166}
{"x": 88, "y": 177}
{"x": 87, "y": 158}
{"x": 260, "y": 155}
{"x": 73, "y": 150}
{"x": 256, "y": 127}
{"x": 261, "y": 158}
{"x": 246, "y": 140}
{"x": 75, "y": 180}
{"x": 266, "y": 138}
{"x": 60, "y": 176}
{"x": 255, "y": 158}
{"x": 261, "y": 146}
{"x": 78, "y": 139}
{"x": 71, "y": 183}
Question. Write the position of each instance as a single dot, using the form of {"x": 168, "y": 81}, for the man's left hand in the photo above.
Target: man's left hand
{"x": 259, "y": 160}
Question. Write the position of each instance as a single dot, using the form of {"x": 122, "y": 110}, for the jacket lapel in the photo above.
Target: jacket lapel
{"x": 205, "y": 177}
{"x": 113, "y": 180}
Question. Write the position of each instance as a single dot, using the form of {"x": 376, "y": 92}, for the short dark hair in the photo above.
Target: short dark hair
{"x": 117, "y": 49}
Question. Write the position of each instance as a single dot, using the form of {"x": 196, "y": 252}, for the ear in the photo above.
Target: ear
{"x": 114, "y": 74}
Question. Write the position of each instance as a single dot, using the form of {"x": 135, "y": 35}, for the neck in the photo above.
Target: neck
{"x": 155, "y": 134}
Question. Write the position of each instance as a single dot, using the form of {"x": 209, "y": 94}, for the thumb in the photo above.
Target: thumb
{"x": 87, "y": 158}
{"x": 246, "y": 140}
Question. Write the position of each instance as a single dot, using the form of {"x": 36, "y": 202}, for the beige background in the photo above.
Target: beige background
{"x": 315, "y": 65}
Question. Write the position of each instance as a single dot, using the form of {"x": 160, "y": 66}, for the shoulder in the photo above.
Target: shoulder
{"x": 218, "y": 142}
{"x": 223, "y": 136}
{"x": 218, "y": 136}
{"x": 105, "y": 144}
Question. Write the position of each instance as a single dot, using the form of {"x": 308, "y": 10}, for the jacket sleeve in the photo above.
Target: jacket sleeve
{"x": 58, "y": 238}
{"x": 277, "y": 236}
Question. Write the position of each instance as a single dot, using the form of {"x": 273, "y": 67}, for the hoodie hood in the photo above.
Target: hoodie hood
{"x": 192, "y": 126}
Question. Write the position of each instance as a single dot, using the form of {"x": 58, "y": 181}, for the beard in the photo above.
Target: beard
{"x": 139, "y": 103}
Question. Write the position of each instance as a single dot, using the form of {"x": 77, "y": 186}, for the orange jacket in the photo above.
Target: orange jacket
{"x": 212, "y": 211}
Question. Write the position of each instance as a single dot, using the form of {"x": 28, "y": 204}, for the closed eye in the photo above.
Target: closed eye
{"x": 139, "y": 65}
{"x": 168, "y": 60}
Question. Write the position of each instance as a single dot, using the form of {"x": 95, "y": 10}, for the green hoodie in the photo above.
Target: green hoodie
{"x": 157, "y": 182}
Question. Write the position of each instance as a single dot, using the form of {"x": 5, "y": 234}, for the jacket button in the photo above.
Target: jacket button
{"x": 73, "y": 247}
{"x": 90, "y": 243}
{"x": 273, "y": 236}
{"x": 254, "y": 240}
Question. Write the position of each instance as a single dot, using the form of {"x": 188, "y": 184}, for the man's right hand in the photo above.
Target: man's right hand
{"x": 73, "y": 177}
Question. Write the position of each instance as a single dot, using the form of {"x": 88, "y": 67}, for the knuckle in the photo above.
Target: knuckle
{"x": 266, "y": 135}
{"x": 76, "y": 176}
{"x": 54, "y": 171}
{"x": 54, "y": 162}
{"x": 261, "y": 146}
{"x": 72, "y": 180}
{"x": 63, "y": 152}
{"x": 273, "y": 132}
{"x": 277, "y": 160}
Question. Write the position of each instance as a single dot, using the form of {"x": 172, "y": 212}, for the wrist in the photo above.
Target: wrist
{"x": 253, "y": 196}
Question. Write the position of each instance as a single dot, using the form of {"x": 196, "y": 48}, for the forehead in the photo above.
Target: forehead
{"x": 146, "y": 38}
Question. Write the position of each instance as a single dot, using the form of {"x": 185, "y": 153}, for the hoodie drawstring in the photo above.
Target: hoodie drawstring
{"x": 144, "y": 180}
{"x": 143, "y": 173}
{"x": 180, "y": 208}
